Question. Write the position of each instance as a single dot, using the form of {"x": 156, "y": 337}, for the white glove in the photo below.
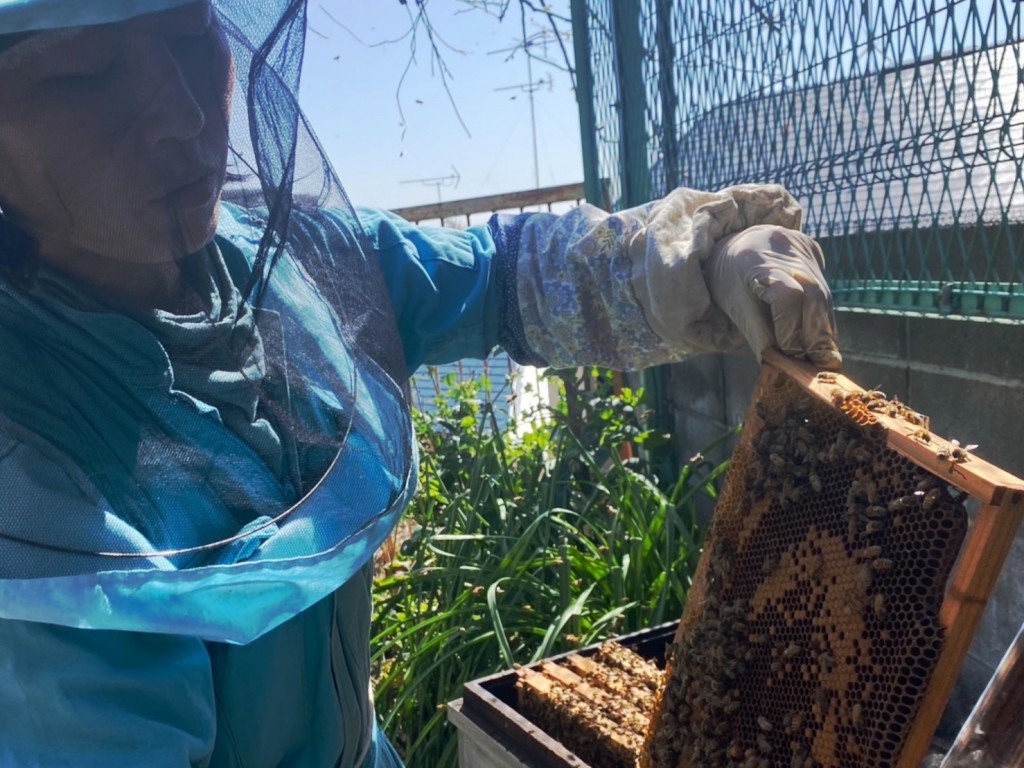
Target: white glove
{"x": 768, "y": 279}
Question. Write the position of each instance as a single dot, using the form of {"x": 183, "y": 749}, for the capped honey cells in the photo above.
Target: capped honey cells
{"x": 812, "y": 630}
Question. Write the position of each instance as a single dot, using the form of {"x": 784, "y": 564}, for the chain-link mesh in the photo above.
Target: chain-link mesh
{"x": 605, "y": 95}
{"x": 896, "y": 123}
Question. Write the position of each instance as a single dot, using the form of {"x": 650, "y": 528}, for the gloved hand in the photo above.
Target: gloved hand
{"x": 768, "y": 279}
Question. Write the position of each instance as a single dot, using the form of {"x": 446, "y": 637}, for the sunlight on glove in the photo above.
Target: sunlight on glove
{"x": 769, "y": 281}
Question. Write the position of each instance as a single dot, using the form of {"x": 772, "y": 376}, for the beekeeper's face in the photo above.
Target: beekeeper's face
{"x": 113, "y": 138}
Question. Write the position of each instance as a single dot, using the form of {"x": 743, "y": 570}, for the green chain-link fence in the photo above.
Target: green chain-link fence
{"x": 897, "y": 123}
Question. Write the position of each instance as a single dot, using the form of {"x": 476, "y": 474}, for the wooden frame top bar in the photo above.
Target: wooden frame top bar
{"x": 986, "y": 482}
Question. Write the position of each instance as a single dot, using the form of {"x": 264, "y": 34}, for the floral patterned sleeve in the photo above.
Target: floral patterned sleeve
{"x": 624, "y": 290}
{"x": 566, "y": 286}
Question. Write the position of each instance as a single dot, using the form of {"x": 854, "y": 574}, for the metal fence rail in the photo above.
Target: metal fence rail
{"x": 899, "y": 124}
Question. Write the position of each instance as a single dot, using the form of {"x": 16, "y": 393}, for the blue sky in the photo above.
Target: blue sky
{"x": 349, "y": 94}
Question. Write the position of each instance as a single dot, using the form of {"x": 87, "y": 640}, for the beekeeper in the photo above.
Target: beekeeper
{"x": 204, "y": 349}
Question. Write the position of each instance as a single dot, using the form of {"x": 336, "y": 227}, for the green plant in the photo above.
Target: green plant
{"x": 525, "y": 544}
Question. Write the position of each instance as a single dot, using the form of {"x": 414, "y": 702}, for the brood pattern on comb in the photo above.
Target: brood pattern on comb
{"x": 813, "y": 629}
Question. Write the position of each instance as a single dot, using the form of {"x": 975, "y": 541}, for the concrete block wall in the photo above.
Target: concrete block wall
{"x": 967, "y": 375}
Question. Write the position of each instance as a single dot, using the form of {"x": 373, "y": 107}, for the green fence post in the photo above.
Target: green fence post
{"x": 585, "y": 103}
{"x": 629, "y": 61}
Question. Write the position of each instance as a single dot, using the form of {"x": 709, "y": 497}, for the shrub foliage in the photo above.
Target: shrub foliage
{"x": 522, "y": 543}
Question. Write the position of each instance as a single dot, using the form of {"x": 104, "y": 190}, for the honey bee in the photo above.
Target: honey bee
{"x": 915, "y": 418}
{"x": 931, "y": 499}
{"x": 955, "y": 453}
{"x": 814, "y": 564}
{"x": 826, "y": 377}
{"x": 904, "y": 502}
{"x": 856, "y": 715}
{"x": 922, "y": 435}
{"x": 764, "y": 723}
{"x": 878, "y": 605}
{"x": 860, "y": 454}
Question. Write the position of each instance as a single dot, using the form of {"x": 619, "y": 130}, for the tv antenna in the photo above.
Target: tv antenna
{"x": 451, "y": 180}
{"x": 530, "y": 87}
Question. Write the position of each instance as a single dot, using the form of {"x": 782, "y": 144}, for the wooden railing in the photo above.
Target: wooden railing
{"x": 545, "y": 197}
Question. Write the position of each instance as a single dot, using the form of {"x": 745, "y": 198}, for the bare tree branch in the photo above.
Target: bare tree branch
{"x": 417, "y": 20}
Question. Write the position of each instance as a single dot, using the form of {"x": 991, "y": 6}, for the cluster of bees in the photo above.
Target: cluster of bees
{"x": 812, "y": 629}
{"x": 862, "y": 405}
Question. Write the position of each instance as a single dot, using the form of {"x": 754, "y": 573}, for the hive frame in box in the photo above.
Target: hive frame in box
{"x": 489, "y": 706}
{"x": 982, "y": 555}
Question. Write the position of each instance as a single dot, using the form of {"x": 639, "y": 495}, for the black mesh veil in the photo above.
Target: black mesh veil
{"x": 259, "y": 430}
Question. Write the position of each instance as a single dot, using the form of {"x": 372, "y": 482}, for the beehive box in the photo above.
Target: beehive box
{"x": 827, "y": 622}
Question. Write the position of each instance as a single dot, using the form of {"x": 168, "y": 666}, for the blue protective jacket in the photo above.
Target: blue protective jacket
{"x": 259, "y": 659}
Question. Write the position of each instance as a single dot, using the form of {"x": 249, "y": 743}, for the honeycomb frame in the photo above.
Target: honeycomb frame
{"x": 823, "y": 630}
